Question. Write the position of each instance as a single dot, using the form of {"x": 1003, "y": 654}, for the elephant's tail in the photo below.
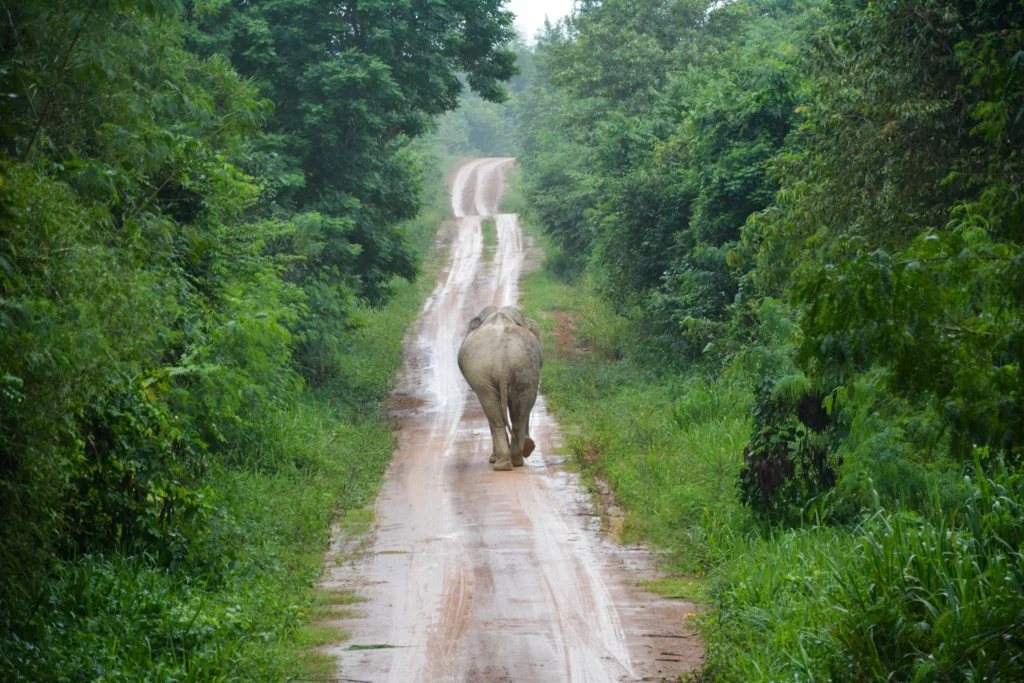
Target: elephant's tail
{"x": 503, "y": 394}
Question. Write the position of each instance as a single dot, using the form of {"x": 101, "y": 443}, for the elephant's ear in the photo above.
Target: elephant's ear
{"x": 479, "y": 319}
{"x": 513, "y": 314}
{"x": 532, "y": 326}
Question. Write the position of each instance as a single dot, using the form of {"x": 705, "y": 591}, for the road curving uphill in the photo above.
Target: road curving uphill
{"x": 482, "y": 576}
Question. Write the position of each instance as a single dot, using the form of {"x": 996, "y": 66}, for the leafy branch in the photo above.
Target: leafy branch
{"x": 60, "y": 75}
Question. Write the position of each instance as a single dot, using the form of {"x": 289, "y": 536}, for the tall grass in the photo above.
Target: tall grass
{"x": 909, "y": 597}
{"x": 940, "y": 596}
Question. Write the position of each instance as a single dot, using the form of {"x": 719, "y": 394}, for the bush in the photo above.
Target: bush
{"x": 789, "y": 461}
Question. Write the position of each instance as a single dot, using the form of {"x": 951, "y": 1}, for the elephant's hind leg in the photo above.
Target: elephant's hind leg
{"x": 526, "y": 444}
{"x": 501, "y": 455}
{"x": 522, "y": 445}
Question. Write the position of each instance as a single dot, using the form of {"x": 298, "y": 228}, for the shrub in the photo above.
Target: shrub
{"x": 789, "y": 461}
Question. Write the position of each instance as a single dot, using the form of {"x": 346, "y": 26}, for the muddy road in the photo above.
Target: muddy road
{"x": 482, "y": 576}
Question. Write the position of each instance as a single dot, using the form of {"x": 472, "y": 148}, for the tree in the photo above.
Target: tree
{"x": 352, "y": 83}
{"x": 902, "y": 213}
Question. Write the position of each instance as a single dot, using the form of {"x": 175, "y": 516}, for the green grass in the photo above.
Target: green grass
{"x": 490, "y": 233}
{"x": 514, "y": 199}
{"x": 244, "y": 616}
{"x": 688, "y": 588}
{"x": 314, "y": 636}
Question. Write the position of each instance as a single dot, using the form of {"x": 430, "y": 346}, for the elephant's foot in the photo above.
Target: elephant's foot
{"x": 503, "y": 464}
{"x": 517, "y": 460}
{"x": 528, "y": 446}
{"x": 494, "y": 458}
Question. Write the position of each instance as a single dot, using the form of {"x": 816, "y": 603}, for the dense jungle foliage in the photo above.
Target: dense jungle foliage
{"x": 792, "y": 233}
{"x": 207, "y": 237}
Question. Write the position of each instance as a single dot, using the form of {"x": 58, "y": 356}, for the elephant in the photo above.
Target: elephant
{"x": 501, "y": 358}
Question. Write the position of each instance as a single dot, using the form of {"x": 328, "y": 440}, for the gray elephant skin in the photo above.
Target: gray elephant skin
{"x": 501, "y": 358}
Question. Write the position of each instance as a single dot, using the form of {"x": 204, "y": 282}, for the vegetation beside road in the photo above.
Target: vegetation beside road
{"x": 210, "y": 232}
{"x": 242, "y": 605}
{"x": 785, "y": 241}
{"x": 670, "y": 446}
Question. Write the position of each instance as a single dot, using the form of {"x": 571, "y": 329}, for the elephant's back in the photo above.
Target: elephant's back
{"x": 501, "y": 345}
{"x": 521, "y": 350}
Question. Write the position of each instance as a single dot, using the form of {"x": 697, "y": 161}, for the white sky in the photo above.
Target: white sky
{"x": 530, "y": 13}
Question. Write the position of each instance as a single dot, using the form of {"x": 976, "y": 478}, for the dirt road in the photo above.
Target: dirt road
{"x": 483, "y": 576}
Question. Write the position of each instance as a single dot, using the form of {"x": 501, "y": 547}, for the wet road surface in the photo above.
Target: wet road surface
{"x": 479, "y": 576}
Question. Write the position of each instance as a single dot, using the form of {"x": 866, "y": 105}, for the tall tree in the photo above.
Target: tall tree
{"x": 352, "y": 82}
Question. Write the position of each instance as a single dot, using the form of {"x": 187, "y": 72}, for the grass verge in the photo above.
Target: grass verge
{"x": 668, "y": 445}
